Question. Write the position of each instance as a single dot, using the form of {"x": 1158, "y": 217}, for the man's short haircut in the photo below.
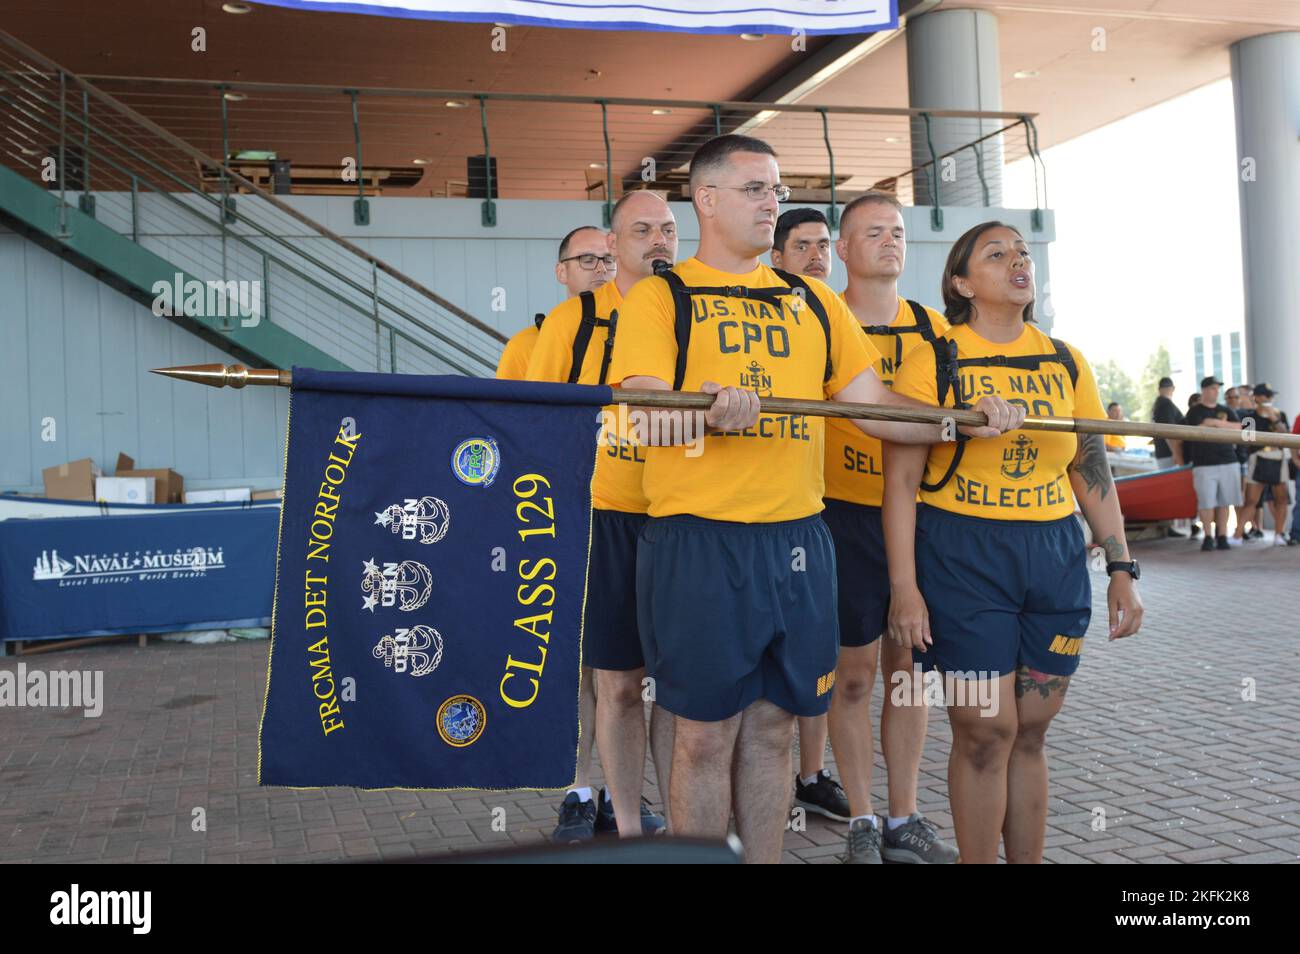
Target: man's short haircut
{"x": 618, "y": 206}
{"x": 1111, "y": 405}
{"x": 873, "y": 197}
{"x": 791, "y": 220}
{"x": 715, "y": 154}
{"x": 564, "y": 242}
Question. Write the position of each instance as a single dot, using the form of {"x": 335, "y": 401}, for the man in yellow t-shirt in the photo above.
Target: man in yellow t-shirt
{"x": 735, "y": 571}
{"x": 873, "y": 247}
{"x": 575, "y": 345}
{"x": 584, "y": 265}
{"x": 1114, "y": 411}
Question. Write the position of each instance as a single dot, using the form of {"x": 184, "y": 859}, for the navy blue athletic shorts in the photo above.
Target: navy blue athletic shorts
{"x": 609, "y": 636}
{"x": 860, "y": 569}
{"x": 1002, "y": 593}
{"x": 733, "y": 612}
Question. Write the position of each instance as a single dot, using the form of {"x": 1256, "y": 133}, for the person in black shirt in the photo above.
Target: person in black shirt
{"x": 1215, "y": 472}
{"x": 1165, "y": 411}
{"x": 1267, "y": 467}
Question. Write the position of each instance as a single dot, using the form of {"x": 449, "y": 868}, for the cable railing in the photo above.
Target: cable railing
{"x": 538, "y": 146}
{"x": 138, "y": 178}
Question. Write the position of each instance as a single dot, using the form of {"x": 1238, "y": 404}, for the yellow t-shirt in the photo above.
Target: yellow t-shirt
{"x": 772, "y": 471}
{"x": 853, "y": 460}
{"x": 1114, "y": 442}
{"x": 515, "y": 355}
{"x": 616, "y": 484}
{"x": 1020, "y": 475}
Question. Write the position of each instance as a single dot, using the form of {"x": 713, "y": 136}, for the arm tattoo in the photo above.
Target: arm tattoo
{"x": 1031, "y": 680}
{"x": 1090, "y": 463}
{"x": 1114, "y": 549}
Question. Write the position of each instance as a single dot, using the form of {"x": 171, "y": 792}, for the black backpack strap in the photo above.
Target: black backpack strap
{"x": 796, "y": 282}
{"x": 582, "y": 338}
{"x": 1064, "y": 355}
{"x": 609, "y": 346}
{"x": 538, "y": 319}
{"x": 946, "y": 367}
{"x": 924, "y": 327}
{"x": 681, "y": 322}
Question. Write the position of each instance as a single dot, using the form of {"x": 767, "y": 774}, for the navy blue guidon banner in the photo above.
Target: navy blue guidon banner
{"x": 783, "y": 17}
{"x": 430, "y": 583}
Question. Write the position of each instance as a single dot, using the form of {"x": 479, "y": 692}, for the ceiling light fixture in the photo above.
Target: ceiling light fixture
{"x": 660, "y": 112}
{"x": 1024, "y": 74}
{"x": 752, "y": 37}
{"x": 233, "y": 97}
{"x": 455, "y": 104}
{"x": 892, "y": 139}
{"x": 236, "y": 8}
{"x": 421, "y": 161}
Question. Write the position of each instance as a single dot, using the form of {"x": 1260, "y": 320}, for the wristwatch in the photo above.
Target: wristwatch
{"x": 1130, "y": 567}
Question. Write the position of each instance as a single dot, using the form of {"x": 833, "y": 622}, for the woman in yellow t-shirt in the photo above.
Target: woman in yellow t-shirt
{"x": 988, "y": 574}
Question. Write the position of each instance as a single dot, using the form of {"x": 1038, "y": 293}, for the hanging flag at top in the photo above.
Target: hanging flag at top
{"x": 683, "y": 16}
{"x": 430, "y": 580}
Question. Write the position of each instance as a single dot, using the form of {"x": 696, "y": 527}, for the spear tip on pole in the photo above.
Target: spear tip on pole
{"x": 225, "y": 376}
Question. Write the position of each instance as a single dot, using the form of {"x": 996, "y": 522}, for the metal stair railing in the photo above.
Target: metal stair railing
{"x": 109, "y": 161}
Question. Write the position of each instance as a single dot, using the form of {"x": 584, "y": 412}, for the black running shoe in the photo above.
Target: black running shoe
{"x": 1255, "y": 534}
{"x": 1221, "y": 543}
{"x": 1175, "y": 534}
{"x": 1196, "y": 528}
{"x": 577, "y": 820}
{"x": 824, "y": 796}
{"x": 652, "y": 823}
{"x": 864, "y": 844}
{"x": 1207, "y": 545}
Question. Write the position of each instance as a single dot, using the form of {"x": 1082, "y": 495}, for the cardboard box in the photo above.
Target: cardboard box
{"x": 132, "y": 490}
{"x": 266, "y": 495}
{"x": 218, "y": 496}
{"x": 169, "y": 485}
{"x": 74, "y": 480}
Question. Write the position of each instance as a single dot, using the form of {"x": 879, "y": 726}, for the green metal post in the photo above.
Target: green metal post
{"x": 227, "y": 203}
{"x": 87, "y": 201}
{"x": 63, "y": 155}
{"x": 135, "y": 209}
{"x": 489, "y": 207}
{"x": 936, "y": 213}
{"x": 609, "y": 166}
{"x": 360, "y": 208}
{"x": 979, "y": 170}
{"x": 1031, "y": 142}
{"x": 717, "y": 120}
{"x": 830, "y": 154}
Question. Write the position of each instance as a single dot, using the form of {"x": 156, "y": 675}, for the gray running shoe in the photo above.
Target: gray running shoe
{"x": 917, "y": 843}
{"x": 864, "y": 844}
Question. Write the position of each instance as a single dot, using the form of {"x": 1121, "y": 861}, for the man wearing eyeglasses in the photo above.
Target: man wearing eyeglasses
{"x": 736, "y": 585}
{"x": 584, "y": 265}
{"x": 575, "y": 345}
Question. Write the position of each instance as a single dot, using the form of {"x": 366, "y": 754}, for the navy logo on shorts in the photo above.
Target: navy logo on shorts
{"x": 1019, "y": 460}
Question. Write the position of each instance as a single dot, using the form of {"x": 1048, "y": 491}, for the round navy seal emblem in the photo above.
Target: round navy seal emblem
{"x": 475, "y": 461}
{"x": 461, "y": 720}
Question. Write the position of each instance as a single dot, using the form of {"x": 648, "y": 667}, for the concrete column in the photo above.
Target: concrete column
{"x": 1266, "y": 92}
{"x": 952, "y": 63}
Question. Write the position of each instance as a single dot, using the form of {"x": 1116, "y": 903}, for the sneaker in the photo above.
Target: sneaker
{"x": 1196, "y": 528}
{"x": 1255, "y": 534}
{"x": 577, "y": 821}
{"x": 916, "y": 842}
{"x": 824, "y": 796}
{"x": 1293, "y": 541}
{"x": 864, "y": 844}
{"x": 606, "y": 824}
{"x": 1279, "y": 540}
{"x": 1174, "y": 534}
{"x": 1207, "y": 544}
{"x": 1220, "y": 543}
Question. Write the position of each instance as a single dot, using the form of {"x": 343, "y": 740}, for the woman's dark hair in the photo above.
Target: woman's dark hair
{"x": 956, "y": 308}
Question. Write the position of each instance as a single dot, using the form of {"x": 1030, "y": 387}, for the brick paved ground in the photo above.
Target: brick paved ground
{"x": 1155, "y": 732}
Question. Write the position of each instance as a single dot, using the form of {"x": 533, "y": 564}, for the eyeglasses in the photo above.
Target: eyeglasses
{"x": 589, "y": 261}
{"x": 757, "y": 191}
